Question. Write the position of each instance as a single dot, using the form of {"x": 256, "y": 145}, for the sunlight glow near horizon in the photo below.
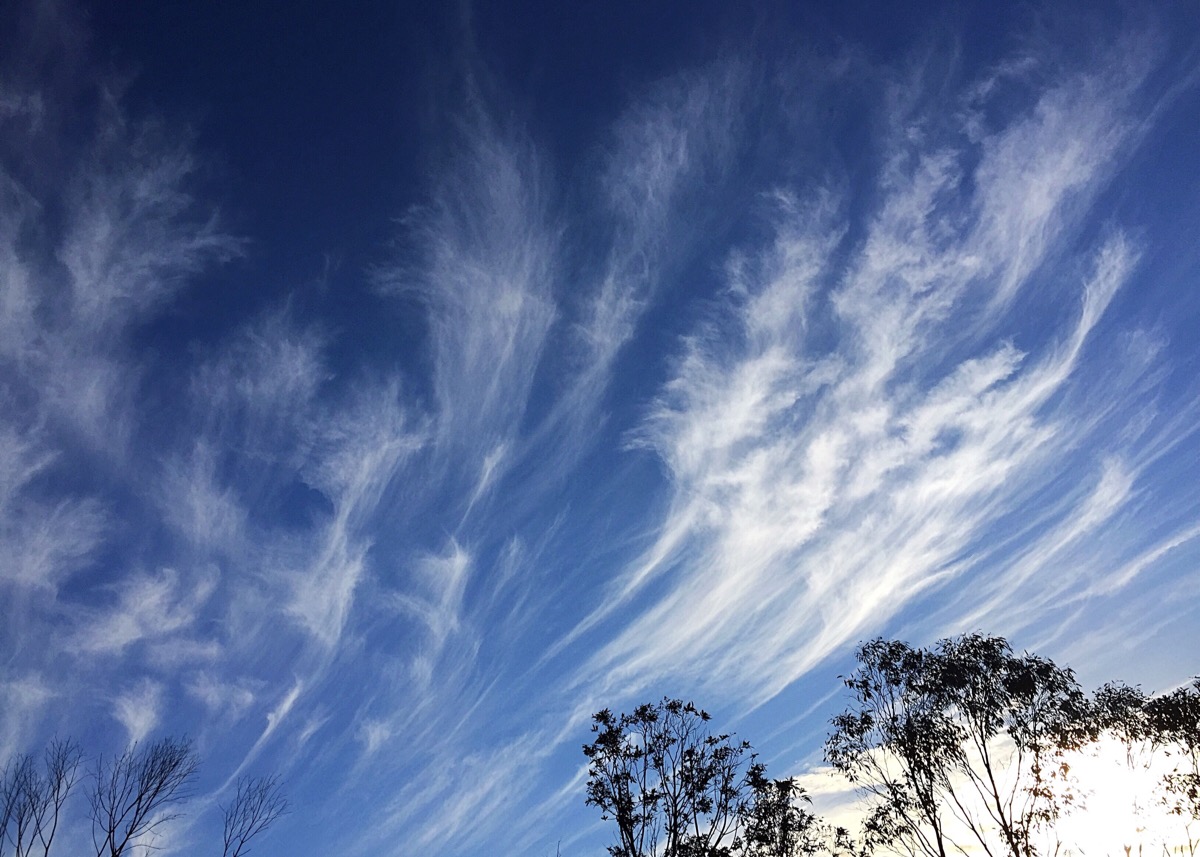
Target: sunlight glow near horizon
{"x": 1121, "y": 804}
{"x": 1115, "y": 802}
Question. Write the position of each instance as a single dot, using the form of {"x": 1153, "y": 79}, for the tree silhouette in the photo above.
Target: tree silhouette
{"x": 133, "y": 793}
{"x": 1173, "y": 723}
{"x": 675, "y": 789}
{"x": 31, "y": 801}
{"x": 964, "y": 746}
{"x": 964, "y": 738}
{"x": 257, "y": 804}
{"x": 130, "y": 796}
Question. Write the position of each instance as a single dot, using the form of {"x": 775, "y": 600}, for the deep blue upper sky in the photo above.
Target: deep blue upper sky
{"x": 385, "y": 389}
{"x": 326, "y": 122}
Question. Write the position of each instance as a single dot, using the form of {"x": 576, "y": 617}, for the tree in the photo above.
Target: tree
{"x": 1150, "y": 729}
{"x": 257, "y": 804}
{"x": 133, "y": 793}
{"x": 778, "y": 825}
{"x": 1119, "y": 712}
{"x": 1173, "y": 723}
{"x": 31, "y": 801}
{"x": 130, "y": 796}
{"x": 962, "y": 740}
{"x": 675, "y": 789}
{"x": 895, "y": 746}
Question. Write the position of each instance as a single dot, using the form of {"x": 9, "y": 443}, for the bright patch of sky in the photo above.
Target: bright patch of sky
{"x": 384, "y": 391}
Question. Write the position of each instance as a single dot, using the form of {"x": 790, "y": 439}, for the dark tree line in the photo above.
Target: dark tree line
{"x": 961, "y": 747}
{"x": 129, "y": 797}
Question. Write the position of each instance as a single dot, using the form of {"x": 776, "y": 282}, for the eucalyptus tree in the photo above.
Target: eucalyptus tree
{"x": 1173, "y": 723}
{"x": 961, "y": 743}
{"x": 779, "y": 823}
{"x": 676, "y": 789}
{"x": 1159, "y": 734}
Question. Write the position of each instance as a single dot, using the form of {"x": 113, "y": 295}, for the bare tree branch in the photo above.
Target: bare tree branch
{"x": 16, "y": 804}
{"x": 63, "y": 760}
{"x": 132, "y": 793}
{"x": 31, "y": 801}
{"x": 258, "y": 804}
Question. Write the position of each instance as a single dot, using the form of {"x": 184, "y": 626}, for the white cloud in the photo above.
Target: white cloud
{"x": 208, "y": 513}
{"x": 1075, "y": 131}
{"x": 373, "y": 734}
{"x": 149, "y": 608}
{"x": 1020, "y": 587}
{"x": 139, "y": 709}
{"x": 668, "y": 150}
{"x": 131, "y": 238}
{"x": 818, "y": 491}
{"x": 275, "y": 719}
{"x": 487, "y": 270}
{"x": 99, "y": 230}
{"x": 221, "y": 697}
{"x": 359, "y": 562}
{"x": 48, "y": 544}
{"x": 434, "y": 598}
{"x": 462, "y": 799}
{"x": 1122, "y": 576}
{"x": 257, "y": 395}
{"x": 25, "y": 697}
{"x": 362, "y": 451}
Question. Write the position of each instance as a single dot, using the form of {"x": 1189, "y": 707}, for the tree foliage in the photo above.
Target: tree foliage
{"x": 962, "y": 741}
{"x": 779, "y": 823}
{"x": 1174, "y": 724}
{"x": 964, "y": 746}
{"x": 676, "y": 789}
{"x": 1153, "y": 730}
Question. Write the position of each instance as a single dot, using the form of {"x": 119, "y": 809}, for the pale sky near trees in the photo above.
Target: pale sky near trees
{"x": 385, "y": 389}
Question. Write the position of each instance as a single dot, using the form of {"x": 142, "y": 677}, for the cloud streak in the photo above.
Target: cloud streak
{"x": 818, "y": 491}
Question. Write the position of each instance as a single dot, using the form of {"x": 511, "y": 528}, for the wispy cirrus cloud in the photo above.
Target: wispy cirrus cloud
{"x": 441, "y": 582}
{"x": 818, "y": 490}
{"x": 149, "y": 609}
{"x": 139, "y": 709}
{"x": 865, "y": 411}
{"x": 220, "y": 697}
{"x": 498, "y": 234}
{"x": 667, "y": 154}
{"x": 48, "y": 541}
{"x": 131, "y": 237}
{"x": 486, "y": 269}
{"x": 99, "y": 232}
{"x": 25, "y": 698}
{"x": 256, "y": 393}
{"x": 361, "y": 453}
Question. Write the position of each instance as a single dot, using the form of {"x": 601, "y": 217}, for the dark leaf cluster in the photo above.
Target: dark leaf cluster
{"x": 676, "y": 789}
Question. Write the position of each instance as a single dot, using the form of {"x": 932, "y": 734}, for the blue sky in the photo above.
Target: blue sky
{"x": 384, "y": 391}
